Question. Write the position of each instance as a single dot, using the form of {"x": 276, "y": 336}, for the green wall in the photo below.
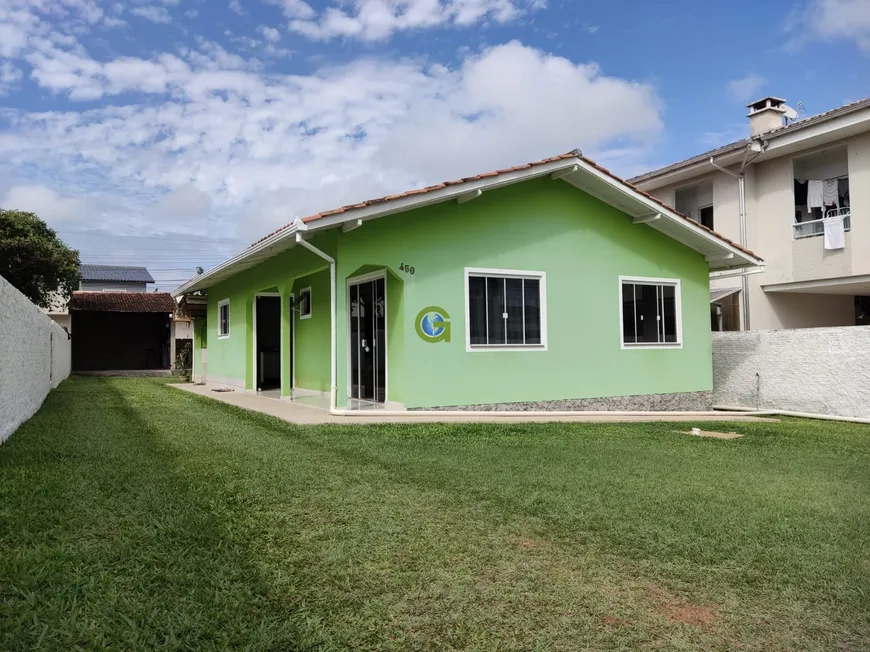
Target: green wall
{"x": 582, "y": 244}
{"x": 312, "y": 334}
{"x": 230, "y": 359}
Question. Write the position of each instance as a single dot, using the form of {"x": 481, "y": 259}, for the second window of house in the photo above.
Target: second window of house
{"x": 506, "y": 309}
{"x": 224, "y": 318}
{"x": 305, "y": 303}
{"x": 650, "y": 312}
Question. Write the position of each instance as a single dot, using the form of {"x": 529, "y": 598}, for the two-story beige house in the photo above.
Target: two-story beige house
{"x": 798, "y": 193}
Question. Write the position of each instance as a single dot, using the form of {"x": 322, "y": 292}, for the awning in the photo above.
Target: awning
{"x": 717, "y": 294}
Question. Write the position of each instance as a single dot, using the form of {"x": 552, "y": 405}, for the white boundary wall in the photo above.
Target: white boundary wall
{"x": 813, "y": 370}
{"x": 34, "y": 358}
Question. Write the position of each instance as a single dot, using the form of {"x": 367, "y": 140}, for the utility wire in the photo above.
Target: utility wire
{"x": 153, "y": 237}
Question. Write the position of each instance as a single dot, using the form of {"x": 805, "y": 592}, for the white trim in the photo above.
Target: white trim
{"x": 678, "y": 309}
{"x": 221, "y": 303}
{"x": 310, "y": 308}
{"x": 797, "y": 286}
{"x": 257, "y": 295}
{"x": 672, "y": 216}
{"x": 290, "y": 303}
{"x": 474, "y": 194}
{"x": 541, "y": 277}
{"x": 357, "y": 280}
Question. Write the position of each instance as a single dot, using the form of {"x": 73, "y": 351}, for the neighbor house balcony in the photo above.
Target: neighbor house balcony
{"x": 813, "y": 228}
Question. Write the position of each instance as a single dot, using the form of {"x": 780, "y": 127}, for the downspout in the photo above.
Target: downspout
{"x": 757, "y": 149}
{"x": 332, "y": 310}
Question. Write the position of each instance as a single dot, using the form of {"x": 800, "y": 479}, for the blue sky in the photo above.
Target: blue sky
{"x": 171, "y": 132}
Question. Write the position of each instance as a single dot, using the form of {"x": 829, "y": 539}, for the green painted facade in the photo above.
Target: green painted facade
{"x": 582, "y": 244}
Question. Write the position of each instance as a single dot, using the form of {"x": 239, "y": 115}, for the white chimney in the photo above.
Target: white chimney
{"x": 765, "y": 114}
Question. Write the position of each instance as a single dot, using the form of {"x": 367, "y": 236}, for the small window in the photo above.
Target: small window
{"x": 706, "y": 216}
{"x": 305, "y": 303}
{"x": 506, "y": 309}
{"x": 224, "y": 318}
{"x": 651, "y": 312}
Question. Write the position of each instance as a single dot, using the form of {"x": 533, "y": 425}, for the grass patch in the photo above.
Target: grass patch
{"x": 136, "y": 516}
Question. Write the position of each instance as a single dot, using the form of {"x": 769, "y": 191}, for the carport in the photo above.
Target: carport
{"x": 121, "y": 331}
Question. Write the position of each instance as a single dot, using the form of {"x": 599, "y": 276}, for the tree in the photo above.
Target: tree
{"x": 35, "y": 260}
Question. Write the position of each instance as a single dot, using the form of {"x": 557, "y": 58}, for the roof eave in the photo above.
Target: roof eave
{"x": 225, "y": 269}
{"x": 731, "y": 256}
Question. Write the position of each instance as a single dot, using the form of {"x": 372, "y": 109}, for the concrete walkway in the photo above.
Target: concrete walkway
{"x": 306, "y": 415}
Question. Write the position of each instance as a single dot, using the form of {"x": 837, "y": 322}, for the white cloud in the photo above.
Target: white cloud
{"x": 830, "y": 20}
{"x": 236, "y": 7}
{"x": 269, "y": 33}
{"x": 9, "y": 76}
{"x": 153, "y": 13}
{"x": 201, "y": 141}
{"x": 746, "y": 88}
{"x": 184, "y": 202}
{"x": 376, "y": 20}
{"x": 48, "y": 204}
{"x": 295, "y": 8}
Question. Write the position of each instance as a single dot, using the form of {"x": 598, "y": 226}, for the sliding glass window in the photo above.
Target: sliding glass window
{"x": 505, "y": 310}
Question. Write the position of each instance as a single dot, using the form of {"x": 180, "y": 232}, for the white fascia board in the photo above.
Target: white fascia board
{"x": 655, "y": 207}
{"x": 202, "y": 281}
{"x": 436, "y": 196}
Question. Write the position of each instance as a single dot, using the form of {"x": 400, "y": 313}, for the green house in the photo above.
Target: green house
{"x": 551, "y": 285}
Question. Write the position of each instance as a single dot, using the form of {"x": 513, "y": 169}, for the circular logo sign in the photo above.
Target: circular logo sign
{"x": 433, "y": 324}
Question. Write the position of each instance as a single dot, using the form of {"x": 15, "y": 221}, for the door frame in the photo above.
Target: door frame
{"x": 254, "y": 339}
{"x": 357, "y": 280}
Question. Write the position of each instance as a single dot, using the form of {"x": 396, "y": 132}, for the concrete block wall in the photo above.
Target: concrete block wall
{"x": 35, "y": 356}
{"x": 815, "y": 370}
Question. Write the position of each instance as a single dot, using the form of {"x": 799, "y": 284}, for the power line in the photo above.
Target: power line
{"x": 152, "y": 237}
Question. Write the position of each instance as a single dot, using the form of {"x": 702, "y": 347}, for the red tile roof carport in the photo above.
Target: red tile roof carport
{"x": 122, "y": 302}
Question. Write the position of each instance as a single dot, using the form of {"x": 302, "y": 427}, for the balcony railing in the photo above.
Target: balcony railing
{"x": 812, "y": 228}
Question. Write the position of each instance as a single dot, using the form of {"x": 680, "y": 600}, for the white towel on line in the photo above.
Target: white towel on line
{"x": 815, "y": 194}
{"x": 835, "y": 234}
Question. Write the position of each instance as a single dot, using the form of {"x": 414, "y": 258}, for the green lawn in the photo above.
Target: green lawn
{"x": 135, "y": 516}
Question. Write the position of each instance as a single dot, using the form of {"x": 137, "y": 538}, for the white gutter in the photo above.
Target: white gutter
{"x": 758, "y": 149}
{"x": 332, "y": 309}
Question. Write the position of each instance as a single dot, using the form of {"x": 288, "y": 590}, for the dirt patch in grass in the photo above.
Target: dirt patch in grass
{"x": 613, "y": 621}
{"x": 678, "y": 610}
{"x": 692, "y": 614}
{"x": 530, "y": 544}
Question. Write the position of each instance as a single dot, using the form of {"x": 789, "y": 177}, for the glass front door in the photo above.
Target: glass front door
{"x": 368, "y": 345}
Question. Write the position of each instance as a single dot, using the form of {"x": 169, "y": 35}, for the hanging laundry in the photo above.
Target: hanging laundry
{"x": 835, "y": 234}
{"x": 843, "y": 190}
{"x": 814, "y": 193}
{"x": 831, "y": 193}
{"x": 800, "y": 193}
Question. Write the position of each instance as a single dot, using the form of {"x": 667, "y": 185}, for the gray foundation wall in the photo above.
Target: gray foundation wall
{"x": 682, "y": 402}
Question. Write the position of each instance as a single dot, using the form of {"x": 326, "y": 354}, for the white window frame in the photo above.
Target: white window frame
{"x": 221, "y": 304}
{"x": 541, "y": 277}
{"x": 310, "y": 308}
{"x": 678, "y": 309}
